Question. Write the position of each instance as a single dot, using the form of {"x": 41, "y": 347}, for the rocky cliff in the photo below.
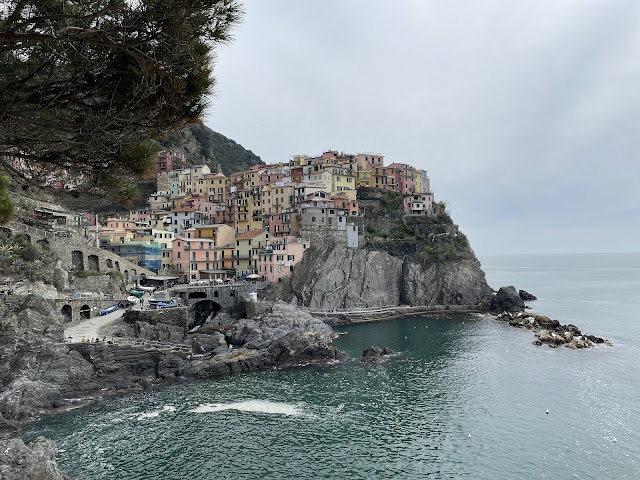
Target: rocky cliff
{"x": 36, "y": 461}
{"x": 421, "y": 260}
{"x": 38, "y": 374}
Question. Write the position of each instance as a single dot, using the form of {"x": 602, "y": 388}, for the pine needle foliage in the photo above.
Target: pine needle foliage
{"x": 86, "y": 84}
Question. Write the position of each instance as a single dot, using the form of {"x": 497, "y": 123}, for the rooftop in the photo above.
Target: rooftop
{"x": 249, "y": 234}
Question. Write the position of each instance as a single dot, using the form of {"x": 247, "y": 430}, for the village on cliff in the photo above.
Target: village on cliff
{"x": 202, "y": 226}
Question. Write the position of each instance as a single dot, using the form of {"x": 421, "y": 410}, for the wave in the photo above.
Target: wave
{"x": 166, "y": 408}
{"x": 255, "y": 406}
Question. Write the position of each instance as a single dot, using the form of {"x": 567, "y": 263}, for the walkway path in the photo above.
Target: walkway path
{"x": 89, "y": 328}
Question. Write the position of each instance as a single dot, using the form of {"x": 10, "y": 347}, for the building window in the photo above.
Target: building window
{"x": 291, "y": 257}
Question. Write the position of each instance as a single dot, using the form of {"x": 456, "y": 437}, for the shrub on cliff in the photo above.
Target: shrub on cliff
{"x": 19, "y": 257}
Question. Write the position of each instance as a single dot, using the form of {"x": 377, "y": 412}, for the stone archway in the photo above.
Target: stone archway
{"x": 85, "y": 312}
{"x": 77, "y": 261}
{"x": 43, "y": 243}
{"x": 200, "y": 311}
{"x": 67, "y": 313}
{"x": 117, "y": 265}
{"x": 109, "y": 263}
{"x": 126, "y": 276}
{"x": 93, "y": 263}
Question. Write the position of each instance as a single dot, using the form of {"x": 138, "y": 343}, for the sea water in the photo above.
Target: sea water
{"x": 465, "y": 396}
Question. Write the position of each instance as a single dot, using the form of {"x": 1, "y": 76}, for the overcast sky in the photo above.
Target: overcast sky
{"x": 526, "y": 114}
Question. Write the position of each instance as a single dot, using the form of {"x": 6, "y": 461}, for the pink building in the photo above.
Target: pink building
{"x": 169, "y": 161}
{"x": 418, "y": 203}
{"x": 404, "y": 178}
{"x": 277, "y": 261}
{"x": 270, "y": 177}
{"x": 90, "y": 218}
{"x": 119, "y": 224}
{"x": 367, "y": 160}
{"x": 200, "y": 259}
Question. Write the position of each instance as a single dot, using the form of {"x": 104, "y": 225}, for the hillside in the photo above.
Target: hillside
{"x": 201, "y": 146}
{"x": 204, "y": 146}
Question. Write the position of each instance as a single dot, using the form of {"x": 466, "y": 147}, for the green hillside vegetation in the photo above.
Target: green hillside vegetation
{"x": 199, "y": 143}
{"x": 424, "y": 239}
{"x": 204, "y": 146}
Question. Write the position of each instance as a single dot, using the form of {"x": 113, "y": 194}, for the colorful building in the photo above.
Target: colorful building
{"x": 277, "y": 261}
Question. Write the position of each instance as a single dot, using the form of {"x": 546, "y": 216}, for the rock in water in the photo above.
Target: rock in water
{"x": 526, "y": 296}
{"x": 507, "y": 300}
{"x": 34, "y": 461}
{"x": 375, "y": 354}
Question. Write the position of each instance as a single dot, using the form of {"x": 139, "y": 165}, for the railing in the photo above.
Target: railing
{"x": 140, "y": 342}
{"x": 88, "y": 296}
{"x": 37, "y": 232}
{"x": 400, "y": 309}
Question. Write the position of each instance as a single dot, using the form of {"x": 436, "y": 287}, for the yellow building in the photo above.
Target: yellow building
{"x": 214, "y": 187}
{"x": 247, "y": 245}
{"x": 276, "y": 198}
{"x": 363, "y": 178}
{"x": 342, "y": 178}
{"x": 219, "y": 233}
{"x": 107, "y": 237}
{"x": 248, "y": 209}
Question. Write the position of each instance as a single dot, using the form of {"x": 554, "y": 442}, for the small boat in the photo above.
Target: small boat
{"x": 110, "y": 309}
{"x": 164, "y": 305}
{"x": 136, "y": 293}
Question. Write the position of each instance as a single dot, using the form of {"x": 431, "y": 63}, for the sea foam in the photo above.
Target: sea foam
{"x": 166, "y": 408}
{"x": 256, "y": 406}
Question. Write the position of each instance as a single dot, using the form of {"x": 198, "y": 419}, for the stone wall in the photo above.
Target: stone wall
{"x": 86, "y": 257}
{"x": 98, "y": 283}
{"x": 171, "y": 316}
{"x": 74, "y": 311}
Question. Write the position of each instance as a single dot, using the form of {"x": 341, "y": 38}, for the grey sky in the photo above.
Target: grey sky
{"x": 524, "y": 113}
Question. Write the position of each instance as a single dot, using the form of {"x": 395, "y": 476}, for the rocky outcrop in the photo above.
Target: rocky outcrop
{"x": 506, "y": 300}
{"x": 550, "y": 332}
{"x": 36, "y": 461}
{"x": 38, "y": 374}
{"x": 35, "y": 368}
{"x": 526, "y": 296}
{"x": 460, "y": 282}
{"x": 375, "y": 354}
{"x": 333, "y": 276}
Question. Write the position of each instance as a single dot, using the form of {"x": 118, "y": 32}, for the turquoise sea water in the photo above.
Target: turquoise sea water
{"x": 408, "y": 417}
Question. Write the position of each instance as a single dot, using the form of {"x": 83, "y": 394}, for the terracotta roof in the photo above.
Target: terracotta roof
{"x": 249, "y": 234}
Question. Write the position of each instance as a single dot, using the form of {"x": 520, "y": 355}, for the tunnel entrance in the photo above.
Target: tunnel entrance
{"x": 67, "y": 313}
{"x": 85, "y": 312}
{"x": 202, "y": 311}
